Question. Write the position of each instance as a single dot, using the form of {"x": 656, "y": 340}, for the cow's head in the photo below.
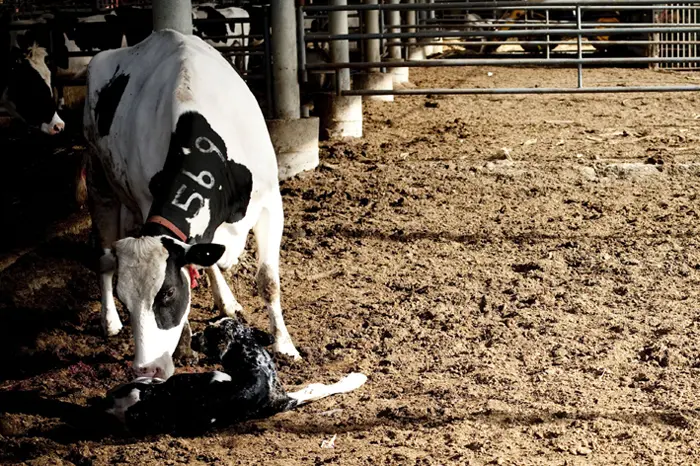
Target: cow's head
{"x": 154, "y": 285}
{"x": 26, "y": 88}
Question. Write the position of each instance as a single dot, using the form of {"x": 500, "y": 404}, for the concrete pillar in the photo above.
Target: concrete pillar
{"x": 284, "y": 60}
{"x": 373, "y": 79}
{"x": 414, "y": 51}
{"x": 295, "y": 139}
{"x": 341, "y": 115}
{"x": 173, "y": 14}
{"x": 393, "y": 19}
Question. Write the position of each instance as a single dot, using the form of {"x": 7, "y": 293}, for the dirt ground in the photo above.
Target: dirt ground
{"x": 518, "y": 277}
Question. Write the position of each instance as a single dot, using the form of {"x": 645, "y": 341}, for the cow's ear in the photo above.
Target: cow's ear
{"x": 262, "y": 337}
{"x": 204, "y": 255}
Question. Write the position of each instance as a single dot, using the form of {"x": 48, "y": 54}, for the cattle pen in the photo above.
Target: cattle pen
{"x": 510, "y": 251}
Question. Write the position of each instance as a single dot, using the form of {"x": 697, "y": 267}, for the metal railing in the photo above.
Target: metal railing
{"x": 583, "y": 25}
{"x": 259, "y": 81}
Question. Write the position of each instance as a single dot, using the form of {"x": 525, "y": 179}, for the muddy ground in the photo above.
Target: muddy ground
{"x": 518, "y": 276}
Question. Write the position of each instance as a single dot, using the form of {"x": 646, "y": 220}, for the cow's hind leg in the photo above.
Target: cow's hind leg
{"x": 268, "y": 236}
{"x": 105, "y": 211}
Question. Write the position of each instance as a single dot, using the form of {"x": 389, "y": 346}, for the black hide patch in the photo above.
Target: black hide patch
{"x": 27, "y": 90}
{"x": 197, "y": 169}
{"x": 216, "y": 30}
{"x": 173, "y": 297}
{"x": 108, "y": 100}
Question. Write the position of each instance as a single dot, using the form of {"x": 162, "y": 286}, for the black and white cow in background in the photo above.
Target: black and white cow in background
{"x": 190, "y": 404}
{"x": 181, "y": 157}
{"x": 25, "y": 76}
{"x": 215, "y": 33}
{"x": 26, "y": 87}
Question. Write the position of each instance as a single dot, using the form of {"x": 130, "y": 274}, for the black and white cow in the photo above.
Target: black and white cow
{"x": 220, "y": 34}
{"x": 25, "y": 83}
{"x": 26, "y": 77}
{"x": 182, "y": 158}
{"x": 248, "y": 387}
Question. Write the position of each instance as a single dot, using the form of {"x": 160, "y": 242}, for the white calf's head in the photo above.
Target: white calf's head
{"x": 154, "y": 285}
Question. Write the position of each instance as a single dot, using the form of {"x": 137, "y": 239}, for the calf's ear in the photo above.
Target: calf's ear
{"x": 204, "y": 255}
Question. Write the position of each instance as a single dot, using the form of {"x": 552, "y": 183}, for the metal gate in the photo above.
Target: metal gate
{"x": 677, "y": 44}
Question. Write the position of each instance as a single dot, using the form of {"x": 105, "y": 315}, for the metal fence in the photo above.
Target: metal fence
{"x": 677, "y": 44}
{"x": 258, "y": 76}
{"x": 574, "y": 33}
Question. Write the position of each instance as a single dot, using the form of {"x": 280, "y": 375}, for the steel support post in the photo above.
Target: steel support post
{"x": 295, "y": 139}
{"x": 343, "y": 114}
{"x": 399, "y": 74}
{"x": 284, "y": 60}
{"x": 173, "y": 14}
{"x": 373, "y": 79}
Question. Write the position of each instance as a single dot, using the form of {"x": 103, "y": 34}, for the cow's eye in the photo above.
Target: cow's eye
{"x": 167, "y": 295}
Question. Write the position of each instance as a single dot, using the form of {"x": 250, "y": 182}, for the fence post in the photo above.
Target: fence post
{"x": 173, "y": 14}
{"x": 343, "y": 114}
{"x": 373, "y": 79}
{"x": 295, "y": 139}
{"x": 399, "y": 74}
{"x": 414, "y": 51}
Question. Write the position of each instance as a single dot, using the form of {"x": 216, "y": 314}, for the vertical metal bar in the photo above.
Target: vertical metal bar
{"x": 301, "y": 45}
{"x": 411, "y": 23}
{"x": 340, "y": 53}
{"x": 394, "y": 20}
{"x": 579, "y": 45}
{"x": 371, "y": 26}
{"x": 694, "y": 39}
{"x": 285, "y": 74}
{"x": 546, "y": 16}
{"x": 177, "y": 15}
{"x": 271, "y": 103}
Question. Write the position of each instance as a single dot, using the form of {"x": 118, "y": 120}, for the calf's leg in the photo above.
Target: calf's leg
{"x": 268, "y": 236}
{"x": 316, "y": 391}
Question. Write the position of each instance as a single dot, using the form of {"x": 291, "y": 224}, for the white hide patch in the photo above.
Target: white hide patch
{"x": 55, "y": 126}
{"x": 220, "y": 377}
{"x": 121, "y": 405}
{"x": 200, "y": 221}
{"x": 36, "y": 57}
{"x": 140, "y": 270}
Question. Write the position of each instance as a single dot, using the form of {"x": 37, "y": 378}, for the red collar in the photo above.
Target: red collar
{"x": 164, "y": 222}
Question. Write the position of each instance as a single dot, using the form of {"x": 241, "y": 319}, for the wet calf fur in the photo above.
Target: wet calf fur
{"x": 248, "y": 387}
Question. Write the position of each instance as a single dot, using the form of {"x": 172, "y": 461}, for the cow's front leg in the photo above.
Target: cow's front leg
{"x": 268, "y": 236}
{"x": 223, "y": 297}
{"x": 104, "y": 210}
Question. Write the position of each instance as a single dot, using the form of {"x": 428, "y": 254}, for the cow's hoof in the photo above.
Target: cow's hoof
{"x": 231, "y": 309}
{"x": 112, "y": 328}
{"x": 288, "y": 349}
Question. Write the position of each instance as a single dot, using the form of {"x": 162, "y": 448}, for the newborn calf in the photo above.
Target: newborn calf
{"x": 192, "y": 403}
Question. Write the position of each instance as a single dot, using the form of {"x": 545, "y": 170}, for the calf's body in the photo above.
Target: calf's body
{"x": 248, "y": 388}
